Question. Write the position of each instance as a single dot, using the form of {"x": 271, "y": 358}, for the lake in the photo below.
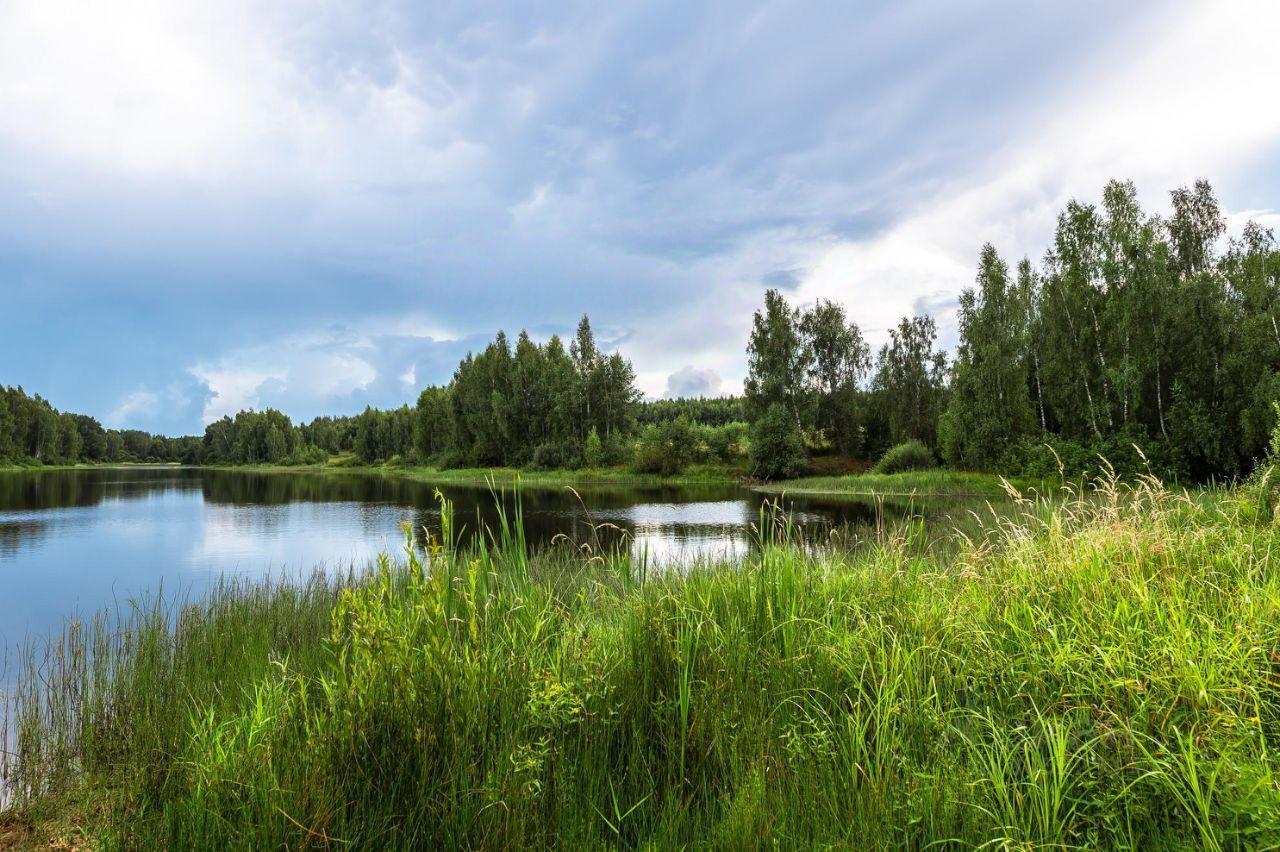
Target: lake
{"x": 76, "y": 541}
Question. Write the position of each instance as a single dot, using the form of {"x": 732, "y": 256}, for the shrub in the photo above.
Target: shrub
{"x": 551, "y": 456}
{"x": 308, "y": 454}
{"x": 727, "y": 443}
{"x": 667, "y": 448}
{"x": 1129, "y": 453}
{"x": 777, "y": 449}
{"x": 618, "y": 448}
{"x": 909, "y": 455}
{"x": 593, "y": 450}
{"x": 1047, "y": 457}
{"x": 1265, "y": 481}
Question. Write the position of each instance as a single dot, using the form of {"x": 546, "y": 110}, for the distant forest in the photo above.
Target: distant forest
{"x": 1152, "y": 342}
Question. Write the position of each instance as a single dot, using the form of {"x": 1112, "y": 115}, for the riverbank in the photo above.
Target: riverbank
{"x": 35, "y": 468}
{"x": 508, "y": 476}
{"x": 935, "y": 483}
{"x": 928, "y": 483}
{"x": 938, "y": 482}
{"x": 1039, "y": 687}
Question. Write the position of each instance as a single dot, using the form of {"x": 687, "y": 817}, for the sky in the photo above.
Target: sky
{"x": 320, "y": 206}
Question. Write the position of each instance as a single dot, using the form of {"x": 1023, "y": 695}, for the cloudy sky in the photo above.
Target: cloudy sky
{"x": 316, "y": 206}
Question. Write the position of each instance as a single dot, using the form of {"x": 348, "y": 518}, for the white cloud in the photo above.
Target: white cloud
{"x": 691, "y": 381}
{"x": 409, "y": 378}
{"x": 210, "y": 91}
{"x": 138, "y": 404}
{"x": 496, "y": 167}
{"x": 302, "y": 368}
{"x": 1192, "y": 101}
{"x": 333, "y": 370}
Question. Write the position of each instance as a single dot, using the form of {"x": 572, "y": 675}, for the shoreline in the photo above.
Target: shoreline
{"x": 928, "y": 484}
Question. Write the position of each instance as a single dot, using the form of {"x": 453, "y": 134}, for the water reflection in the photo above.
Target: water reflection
{"x": 85, "y": 539}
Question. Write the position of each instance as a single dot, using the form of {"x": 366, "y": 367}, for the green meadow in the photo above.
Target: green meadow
{"x": 1097, "y": 670}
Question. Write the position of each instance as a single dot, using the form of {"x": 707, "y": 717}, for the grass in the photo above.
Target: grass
{"x": 698, "y": 474}
{"x": 1103, "y": 672}
{"x": 937, "y": 482}
{"x": 37, "y": 466}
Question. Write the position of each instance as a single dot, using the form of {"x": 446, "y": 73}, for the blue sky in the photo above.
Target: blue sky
{"x": 314, "y": 206}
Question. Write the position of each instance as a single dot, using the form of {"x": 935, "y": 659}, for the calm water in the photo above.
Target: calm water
{"x": 78, "y": 541}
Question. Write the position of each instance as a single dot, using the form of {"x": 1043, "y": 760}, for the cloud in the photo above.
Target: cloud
{"x": 1160, "y": 111}
{"x": 690, "y": 381}
{"x": 166, "y": 410}
{"x": 333, "y": 370}
{"x": 139, "y": 403}
{"x": 218, "y": 184}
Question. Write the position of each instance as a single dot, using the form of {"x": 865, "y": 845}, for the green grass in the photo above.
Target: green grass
{"x": 35, "y": 467}
{"x": 1099, "y": 673}
{"x": 938, "y": 482}
{"x": 508, "y": 475}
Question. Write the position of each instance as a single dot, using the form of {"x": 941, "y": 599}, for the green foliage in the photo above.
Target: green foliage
{"x": 705, "y": 411}
{"x": 667, "y": 448}
{"x": 535, "y": 405}
{"x": 989, "y": 406}
{"x": 433, "y": 432}
{"x": 506, "y": 406}
{"x": 840, "y": 360}
{"x": 908, "y": 389}
{"x": 1274, "y": 445}
{"x": 253, "y": 437}
{"x": 308, "y": 454}
{"x": 380, "y": 435}
{"x": 727, "y": 443}
{"x": 551, "y": 457}
{"x": 777, "y": 448}
{"x": 1038, "y": 688}
{"x": 1127, "y": 454}
{"x": 593, "y": 450}
{"x": 33, "y": 432}
{"x": 1265, "y": 481}
{"x": 1136, "y": 330}
{"x": 909, "y": 455}
{"x": 811, "y": 362}
{"x": 777, "y": 359}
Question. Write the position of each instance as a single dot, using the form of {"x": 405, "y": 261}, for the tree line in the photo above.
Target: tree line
{"x": 1143, "y": 339}
{"x": 33, "y": 431}
{"x": 1135, "y": 330}
{"x": 544, "y": 405}
{"x": 812, "y": 385}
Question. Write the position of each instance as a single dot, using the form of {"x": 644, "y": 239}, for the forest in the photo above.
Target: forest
{"x": 34, "y": 432}
{"x": 1151, "y": 341}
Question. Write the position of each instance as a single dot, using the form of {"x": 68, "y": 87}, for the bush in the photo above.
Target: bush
{"x": 727, "y": 443}
{"x": 667, "y": 448}
{"x": 448, "y": 459}
{"x": 777, "y": 449}
{"x": 1129, "y": 453}
{"x": 1046, "y": 457}
{"x": 1265, "y": 481}
{"x": 308, "y": 454}
{"x": 909, "y": 455}
{"x": 593, "y": 451}
{"x": 551, "y": 456}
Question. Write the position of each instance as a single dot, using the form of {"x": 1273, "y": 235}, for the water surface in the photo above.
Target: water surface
{"x": 73, "y": 542}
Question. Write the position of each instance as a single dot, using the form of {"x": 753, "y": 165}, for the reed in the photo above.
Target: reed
{"x": 1099, "y": 672}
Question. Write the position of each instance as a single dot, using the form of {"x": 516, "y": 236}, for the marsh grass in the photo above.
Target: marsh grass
{"x": 1103, "y": 671}
{"x": 936, "y": 482}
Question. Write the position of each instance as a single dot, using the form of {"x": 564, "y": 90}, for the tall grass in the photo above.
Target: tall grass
{"x": 1104, "y": 672}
